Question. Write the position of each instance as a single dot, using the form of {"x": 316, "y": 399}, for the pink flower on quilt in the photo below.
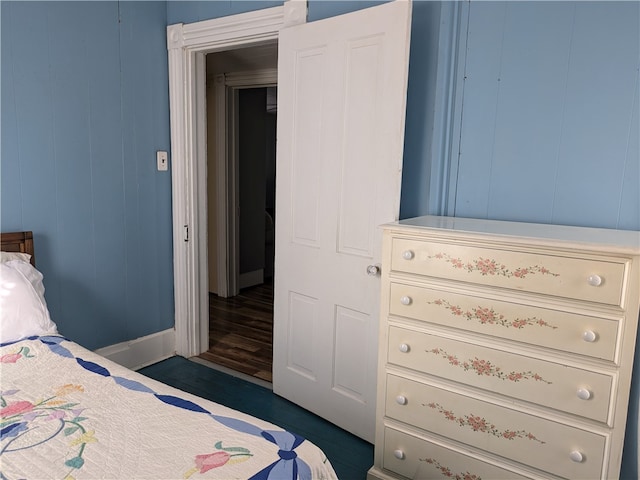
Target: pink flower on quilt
{"x": 221, "y": 457}
{"x": 212, "y": 460}
{"x": 10, "y": 358}
{"x": 16, "y": 408}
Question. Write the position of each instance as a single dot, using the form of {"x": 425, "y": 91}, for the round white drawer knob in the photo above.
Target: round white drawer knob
{"x": 576, "y": 456}
{"x": 404, "y": 348}
{"x": 408, "y": 255}
{"x": 594, "y": 280}
{"x": 405, "y": 300}
{"x": 589, "y": 336}
{"x": 583, "y": 394}
{"x": 399, "y": 454}
{"x": 401, "y": 400}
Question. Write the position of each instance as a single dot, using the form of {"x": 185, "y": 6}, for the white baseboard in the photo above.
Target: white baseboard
{"x": 250, "y": 279}
{"x": 233, "y": 373}
{"x": 142, "y": 351}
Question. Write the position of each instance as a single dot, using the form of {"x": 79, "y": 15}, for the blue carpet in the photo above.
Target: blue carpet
{"x": 350, "y": 456}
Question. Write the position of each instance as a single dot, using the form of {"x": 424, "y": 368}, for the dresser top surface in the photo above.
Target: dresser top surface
{"x": 628, "y": 240}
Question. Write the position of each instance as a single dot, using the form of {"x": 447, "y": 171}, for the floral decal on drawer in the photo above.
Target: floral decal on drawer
{"x": 486, "y": 266}
{"x": 446, "y": 471}
{"x": 486, "y": 368}
{"x": 479, "y": 424}
{"x": 488, "y": 316}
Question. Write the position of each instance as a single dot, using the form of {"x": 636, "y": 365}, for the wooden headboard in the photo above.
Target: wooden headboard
{"x": 18, "y": 242}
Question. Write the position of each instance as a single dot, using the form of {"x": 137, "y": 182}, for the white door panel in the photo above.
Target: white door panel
{"x": 341, "y": 106}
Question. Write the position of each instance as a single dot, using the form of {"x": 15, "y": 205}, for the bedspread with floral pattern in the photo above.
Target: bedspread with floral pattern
{"x": 67, "y": 413}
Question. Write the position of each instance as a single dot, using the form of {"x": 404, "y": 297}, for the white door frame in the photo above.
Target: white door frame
{"x": 188, "y": 45}
{"x": 225, "y": 91}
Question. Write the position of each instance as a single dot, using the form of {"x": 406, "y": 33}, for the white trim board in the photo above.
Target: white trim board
{"x": 233, "y": 373}
{"x": 142, "y": 351}
{"x": 187, "y": 45}
{"x": 225, "y": 88}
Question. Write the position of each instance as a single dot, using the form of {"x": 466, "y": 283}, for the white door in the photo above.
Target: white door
{"x": 341, "y": 108}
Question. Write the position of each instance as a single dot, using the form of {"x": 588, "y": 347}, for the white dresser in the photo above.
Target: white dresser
{"x": 506, "y": 350}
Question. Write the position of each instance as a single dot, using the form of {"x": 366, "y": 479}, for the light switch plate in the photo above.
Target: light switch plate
{"x": 161, "y": 160}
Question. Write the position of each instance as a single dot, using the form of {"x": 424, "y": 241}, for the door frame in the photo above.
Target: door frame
{"x": 227, "y": 193}
{"x": 187, "y": 45}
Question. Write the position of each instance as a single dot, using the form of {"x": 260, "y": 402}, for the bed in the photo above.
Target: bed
{"x": 68, "y": 413}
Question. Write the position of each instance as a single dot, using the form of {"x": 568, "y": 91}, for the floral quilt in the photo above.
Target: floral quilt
{"x": 67, "y": 413}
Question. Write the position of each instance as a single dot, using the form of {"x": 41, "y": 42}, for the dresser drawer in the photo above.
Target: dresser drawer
{"x": 531, "y": 440}
{"x": 593, "y": 280}
{"x": 592, "y": 336}
{"x": 519, "y": 376}
{"x": 420, "y": 459}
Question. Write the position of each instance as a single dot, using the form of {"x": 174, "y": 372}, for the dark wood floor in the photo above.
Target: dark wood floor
{"x": 350, "y": 456}
{"x": 241, "y": 331}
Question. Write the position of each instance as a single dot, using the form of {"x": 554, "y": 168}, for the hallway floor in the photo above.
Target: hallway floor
{"x": 241, "y": 331}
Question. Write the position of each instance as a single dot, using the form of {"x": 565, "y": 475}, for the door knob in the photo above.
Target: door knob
{"x": 373, "y": 270}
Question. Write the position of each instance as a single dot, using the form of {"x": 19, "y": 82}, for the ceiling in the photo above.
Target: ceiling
{"x": 256, "y": 57}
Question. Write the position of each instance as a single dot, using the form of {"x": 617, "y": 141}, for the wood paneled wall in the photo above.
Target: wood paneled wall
{"x": 549, "y": 129}
{"x": 84, "y": 108}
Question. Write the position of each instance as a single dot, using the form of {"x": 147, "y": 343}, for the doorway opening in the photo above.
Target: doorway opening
{"x": 241, "y": 139}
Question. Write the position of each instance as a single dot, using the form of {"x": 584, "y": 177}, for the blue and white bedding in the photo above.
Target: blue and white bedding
{"x": 68, "y": 413}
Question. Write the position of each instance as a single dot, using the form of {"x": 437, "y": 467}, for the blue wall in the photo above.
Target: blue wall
{"x": 188, "y": 11}
{"x": 547, "y": 129}
{"x": 84, "y": 108}
{"x": 550, "y": 114}
{"x": 550, "y": 136}
{"x": 195, "y": 11}
{"x": 548, "y": 133}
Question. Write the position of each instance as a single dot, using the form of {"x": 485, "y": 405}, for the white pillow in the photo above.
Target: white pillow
{"x": 23, "y": 309}
{"x": 8, "y": 256}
